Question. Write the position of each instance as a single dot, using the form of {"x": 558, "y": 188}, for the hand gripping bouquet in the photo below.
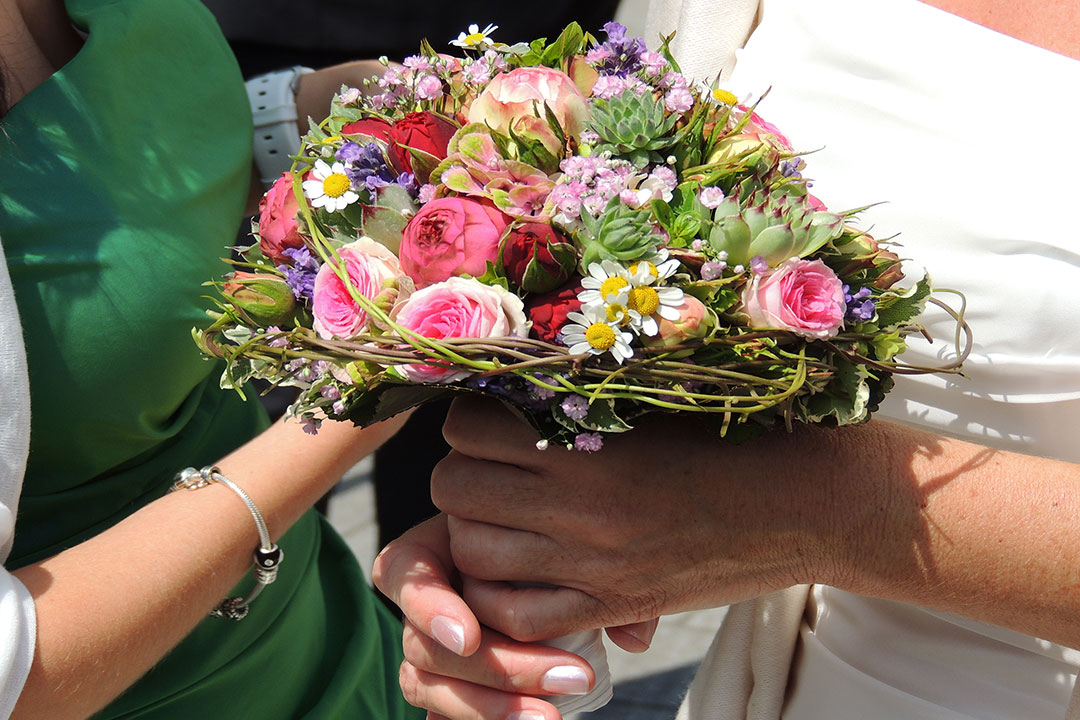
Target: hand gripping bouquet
{"x": 575, "y": 228}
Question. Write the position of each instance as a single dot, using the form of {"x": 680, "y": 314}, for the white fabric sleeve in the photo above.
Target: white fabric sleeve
{"x": 18, "y": 621}
{"x": 707, "y": 33}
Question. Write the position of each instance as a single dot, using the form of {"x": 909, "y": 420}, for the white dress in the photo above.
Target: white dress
{"x": 972, "y": 138}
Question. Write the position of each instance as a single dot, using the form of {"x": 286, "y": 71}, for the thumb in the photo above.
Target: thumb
{"x": 415, "y": 571}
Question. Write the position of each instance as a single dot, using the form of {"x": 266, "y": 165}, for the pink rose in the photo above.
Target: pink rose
{"x": 692, "y": 323}
{"x": 802, "y": 296}
{"x": 372, "y": 269}
{"x": 511, "y": 96}
{"x": 458, "y": 307}
{"x": 278, "y": 229}
{"x": 451, "y": 236}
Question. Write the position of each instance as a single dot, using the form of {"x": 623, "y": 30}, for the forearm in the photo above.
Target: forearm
{"x": 958, "y": 527}
{"x": 111, "y": 607}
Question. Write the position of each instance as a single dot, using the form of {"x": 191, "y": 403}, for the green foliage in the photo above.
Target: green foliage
{"x": 895, "y": 309}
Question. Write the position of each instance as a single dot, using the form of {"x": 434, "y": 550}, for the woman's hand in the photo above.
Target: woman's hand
{"x": 665, "y": 518}
{"x": 454, "y": 666}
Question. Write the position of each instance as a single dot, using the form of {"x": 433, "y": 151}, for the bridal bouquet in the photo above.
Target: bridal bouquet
{"x": 574, "y": 227}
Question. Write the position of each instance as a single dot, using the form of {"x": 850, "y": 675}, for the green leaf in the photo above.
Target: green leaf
{"x": 384, "y": 225}
{"x": 397, "y": 198}
{"x": 567, "y": 44}
{"x": 904, "y": 308}
{"x": 844, "y": 400}
{"x": 602, "y": 418}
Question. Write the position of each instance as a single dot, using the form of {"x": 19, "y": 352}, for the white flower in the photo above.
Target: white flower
{"x": 591, "y": 333}
{"x": 475, "y": 38}
{"x": 647, "y": 298}
{"x": 607, "y": 287}
{"x": 331, "y": 188}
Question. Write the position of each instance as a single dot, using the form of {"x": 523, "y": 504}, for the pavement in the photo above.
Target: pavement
{"x": 648, "y": 686}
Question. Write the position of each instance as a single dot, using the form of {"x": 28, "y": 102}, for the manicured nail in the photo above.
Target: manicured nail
{"x": 525, "y": 715}
{"x": 565, "y": 680}
{"x": 449, "y": 633}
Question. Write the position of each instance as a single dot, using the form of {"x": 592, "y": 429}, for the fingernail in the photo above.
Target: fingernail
{"x": 449, "y": 633}
{"x": 525, "y": 715}
{"x": 644, "y": 637}
{"x": 565, "y": 680}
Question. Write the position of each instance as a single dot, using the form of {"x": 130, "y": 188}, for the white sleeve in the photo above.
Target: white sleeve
{"x": 707, "y": 33}
{"x": 18, "y": 622}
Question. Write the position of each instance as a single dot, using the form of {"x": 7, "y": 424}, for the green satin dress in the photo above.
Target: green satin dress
{"x": 122, "y": 179}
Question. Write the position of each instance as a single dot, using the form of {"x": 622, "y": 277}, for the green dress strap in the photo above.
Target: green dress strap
{"x": 122, "y": 179}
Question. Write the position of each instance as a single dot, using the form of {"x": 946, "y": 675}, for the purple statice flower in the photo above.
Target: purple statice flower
{"x": 575, "y": 407}
{"x": 408, "y": 181}
{"x": 711, "y": 197}
{"x": 860, "y": 307}
{"x": 588, "y": 442}
{"x": 349, "y": 152}
{"x": 713, "y": 269}
{"x": 758, "y": 265}
{"x": 300, "y": 276}
{"x": 791, "y": 168}
{"x": 366, "y": 165}
{"x": 619, "y": 55}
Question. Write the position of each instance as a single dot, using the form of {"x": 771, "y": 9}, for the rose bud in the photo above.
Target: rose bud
{"x": 278, "y": 229}
{"x": 548, "y": 312}
{"x": 693, "y": 323}
{"x": 372, "y": 127}
{"x": 263, "y": 299}
{"x": 536, "y": 258}
{"x": 423, "y": 137}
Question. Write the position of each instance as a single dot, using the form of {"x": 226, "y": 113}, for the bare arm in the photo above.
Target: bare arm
{"x": 147, "y": 581}
{"x": 669, "y": 518}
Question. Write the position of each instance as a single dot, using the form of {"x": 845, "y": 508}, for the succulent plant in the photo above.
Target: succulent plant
{"x": 618, "y": 233}
{"x": 772, "y": 227}
{"x": 633, "y": 126}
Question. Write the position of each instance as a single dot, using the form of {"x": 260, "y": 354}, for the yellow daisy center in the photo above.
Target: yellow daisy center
{"x": 330, "y": 140}
{"x": 336, "y": 185}
{"x": 652, "y": 268}
{"x": 617, "y": 313}
{"x": 723, "y": 96}
{"x": 644, "y": 299}
{"x": 600, "y": 336}
{"x": 474, "y": 38}
{"x": 612, "y": 286}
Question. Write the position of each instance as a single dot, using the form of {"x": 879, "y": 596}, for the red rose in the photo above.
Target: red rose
{"x": 548, "y": 312}
{"x": 536, "y": 258}
{"x": 372, "y": 127}
{"x": 422, "y": 131}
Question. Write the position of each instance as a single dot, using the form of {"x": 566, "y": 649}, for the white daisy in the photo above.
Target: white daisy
{"x": 331, "y": 188}
{"x": 589, "y": 332}
{"x": 607, "y": 287}
{"x": 648, "y": 298}
{"x": 475, "y": 38}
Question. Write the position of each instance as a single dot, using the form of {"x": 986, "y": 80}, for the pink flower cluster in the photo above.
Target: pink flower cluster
{"x": 587, "y": 184}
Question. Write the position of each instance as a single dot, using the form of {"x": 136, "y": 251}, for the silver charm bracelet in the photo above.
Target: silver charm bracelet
{"x": 267, "y": 556}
